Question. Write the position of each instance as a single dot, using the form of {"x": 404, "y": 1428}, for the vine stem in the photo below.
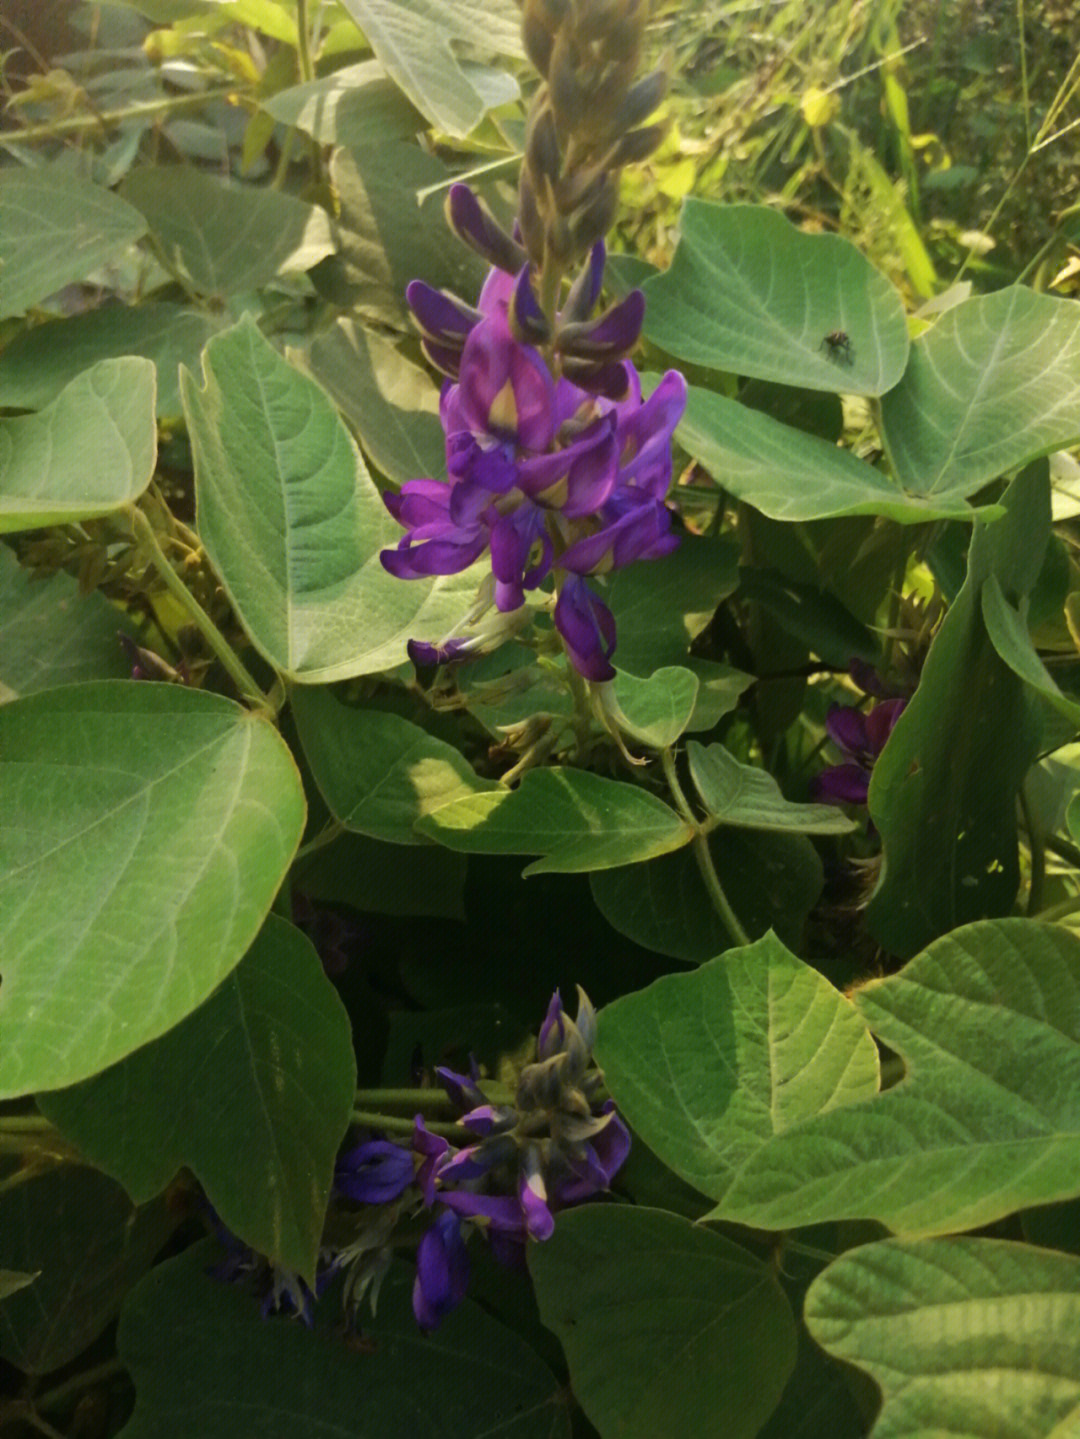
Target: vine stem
{"x": 702, "y": 856}
{"x": 76, "y": 123}
{"x": 395, "y": 1124}
{"x": 108, "y": 1369}
{"x": 238, "y": 672}
{"x": 303, "y": 42}
{"x": 411, "y": 1098}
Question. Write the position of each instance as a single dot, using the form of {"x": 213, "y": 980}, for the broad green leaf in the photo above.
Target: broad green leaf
{"x": 12, "y": 1280}
{"x": 772, "y": 881}
{"x": 575, "y": 819}
{"x": 749, "y": 798}
{"x": 985, "y": 1121}
{"x": 385, "y": 235}
{"x": 377, "y": 772}
{"x": 145, "y": 831}
{"x": 657, "y": 710}
{"x": 1009, "y": 635}
{"x": 90, "y": 452}
{"x": 391, "y": 404}
{"x": 79, "y": 1236}
{"x": 52, "y": 635}
{"x": 943, "y": 791}
{"x": 719, "y": 690}
{"x": 416, "y": 42}
{"x": 660, "y": 606}
{"x": 200, "y": 1354}
{"x": 356, "y": 106}
{"x": 366, "y": 875}
{"x": 749, "y": 293}
{"x": 264, "y": 1068}
{"x": 37, "y": 364}
{"x": 989, "y": 388}
{"x": 707, "y": 1067}
{"x": 975, "y": 1338}
{"x": 227, "y": 237}
{"x": 293, "y": 524}
{"x": 55, "y": 228}
{"x": 790, "y": 475}
{"x": 668, "y": 1328}
{"x": 808, "y": 612}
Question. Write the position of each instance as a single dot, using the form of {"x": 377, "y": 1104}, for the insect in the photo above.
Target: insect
{"x": 837, "y": 343}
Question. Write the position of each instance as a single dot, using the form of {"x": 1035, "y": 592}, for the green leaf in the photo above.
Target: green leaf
{"x": 943, "y": 791}
{"x": 54, "y": 229}
{"x": 987, "y": 1022}
{"x": 227, "y": 238}
{"x": 748, "y": 292}
{"x": 145, "y": 831}
{"x": 772, "y": 881}
{"x": 366, "y": 874}
{"x": 84, "y": 1243}
{"x": 200, "y": 1354}
{"x": 293, "y": 524}
{"x": 264, "y": 1068}
{"x": 37, "y": 364}
{"x": 663, "y": 1323}
{"x": 377, "y": 772}
{"x": 971, "y": 1337}
{"x": 390, "y": 403}
{"x": 707, "y": 1067}
{"x": 748, "y": 797}
{"x": 90, "y": 452}
{"x": 415, "y": 41}
{"x": 986, "y": 390}
{"x": 12, "y": 1280}
{"x": 575, "y": 819}
{"x": 810, "y": 614}
{"x": 356, "y": 106}
{"x": 52, "y": 635}
{"x": 719, "y": 690}
{"x": 790, "y": 475}
{"x": 662, "y": 605}
{"x": 657, "y": 710}
{"x": 385, "y": 235}
{"x": 1009, "y": 635}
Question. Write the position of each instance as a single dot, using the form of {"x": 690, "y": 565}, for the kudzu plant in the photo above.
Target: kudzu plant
{"x": 745, "y": 643}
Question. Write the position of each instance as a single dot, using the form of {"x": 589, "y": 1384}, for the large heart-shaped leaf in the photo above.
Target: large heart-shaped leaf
{"x": 668, "y": 1328}
{"x": 265, "y": 1068}
{"x": 748, "y": 292}
{"x": 943, "y": 791}
{"x": 575, "y": 819}
{"x": 227, "y": 237}
{"x": 790, "y": 475}
{"x": 52, "y": 635}
{"x": 1009, "y": 635}
{"x": 357, "y": 105}
{"x": 145, "y": 831}
{"x": 377, "y": 772}
{"x": 990, "y": 387}
{"x": 91, "y": 451}
{"x": 293, "y": 524}
{"x": 56, "y": 228}
{"x": 985, "y": 1122}
{"x": 968, "y": 1337}
{"x": 416, "y": 40}
{"x": 744, "y": 796}
{"x": 707, "y": 1067}
{"x": 200, "y": 1353}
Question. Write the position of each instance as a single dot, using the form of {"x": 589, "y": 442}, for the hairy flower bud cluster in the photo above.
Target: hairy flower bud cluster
{"x": 559, "y": 1143}
{"x": 585, "y": 122}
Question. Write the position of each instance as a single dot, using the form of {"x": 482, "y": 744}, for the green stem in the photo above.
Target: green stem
{"x": 394, "y": 1124}
{"x": 1059, "y": 911}
{"x": 25, "y": 1124}
{"x": 1037, "y": 850}
{"x": 1064, "y": 850}
{"x": 144, "y": 533}
{"x": 54, "y": 1397}
{"x": 702, "y": 854}
{"x": 407, "y": 1098}
{"x": 303, "y": 42}
{"x": 74, "y": 124}
{"x": 793, "y": 1246}
{"x": 325, "y": 836}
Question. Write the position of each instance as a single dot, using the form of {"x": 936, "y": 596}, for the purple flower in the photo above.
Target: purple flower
{"x": 376, "y": 1172}
{"x": 550, "y": 475}
{"x": 861, "y": 737}
{"x": 442, "y": 1271}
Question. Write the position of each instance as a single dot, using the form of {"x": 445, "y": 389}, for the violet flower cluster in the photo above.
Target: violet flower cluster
{"x": 560, "y": 1143}
{"x": 860, "y": 737}
{"x": 557, "y": 466}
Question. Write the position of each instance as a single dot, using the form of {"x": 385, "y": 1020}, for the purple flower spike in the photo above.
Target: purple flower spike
{"x": 532, "y": 1193}
{"x": 861, "y": 738}
{"x": 442, "y": 317}
{"x": 473, "y": 223}
{"x": 585, "y": 291}
{"x": 602, "y": 1158}
{"x": 841, "y": 784}
{"x": 376, "y": 1172}
{"x": 506, "y": 389}
{"x": 527, "y": 320}
{"x": 550, "y": 1039}
{"x": 435, "y": 1152}
{"x": 611, "y": 335}
{"x": 461, "y": 1088}
{"x": 588, "y": 629}
{"x": 442, "y": 1272}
